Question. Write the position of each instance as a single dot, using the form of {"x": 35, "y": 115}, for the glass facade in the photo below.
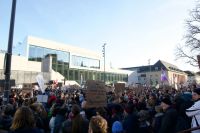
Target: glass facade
{"x": 81, "y": 76}
{"x": 60, "y": 63}
{"x": 85, "y": 62}
{"x": 60, "y": 59}
{"x": 37, "y": 53}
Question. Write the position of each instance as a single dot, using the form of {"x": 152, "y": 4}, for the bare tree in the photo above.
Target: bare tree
{"x": 190, "y": 48}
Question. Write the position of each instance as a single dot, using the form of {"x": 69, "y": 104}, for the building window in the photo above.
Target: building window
{"x": 32, "y": 53}
{"x": 60, "y": 59}
{"x": 38, "y": 53}
{"x": 85, "y": 62}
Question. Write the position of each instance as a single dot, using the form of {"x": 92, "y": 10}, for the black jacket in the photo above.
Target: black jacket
{"x": 168, "y": 124}
{"x": 130, "y": 124}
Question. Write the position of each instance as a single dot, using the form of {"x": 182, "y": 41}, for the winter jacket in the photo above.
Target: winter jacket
{"x": 5, "y": 122}
{"x": 194, "y": 112}
{"x": 131, "y": 124}
{"x": 169, "y": 119}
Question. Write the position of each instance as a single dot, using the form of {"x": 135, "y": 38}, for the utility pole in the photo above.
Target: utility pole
{"x": 104, "y": 55}
{"x": 8, "y": 55}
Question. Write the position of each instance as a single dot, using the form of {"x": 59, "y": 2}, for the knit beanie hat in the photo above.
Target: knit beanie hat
{"x": 117, "y": 127}
{"x": 197, "y": 90}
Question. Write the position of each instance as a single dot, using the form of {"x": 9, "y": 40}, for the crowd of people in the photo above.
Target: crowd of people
{"x": 150, "y": 111}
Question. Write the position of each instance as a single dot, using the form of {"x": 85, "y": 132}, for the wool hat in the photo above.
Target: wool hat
{"x": 197, "y": 90}
{"x": 117, "y": 127}
{"x": 166, "y": 100}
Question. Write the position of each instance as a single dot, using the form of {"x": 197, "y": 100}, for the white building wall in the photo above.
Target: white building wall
{"x": 21, "y": 63}
{"x": 133, "y": 78}
{"x": 1, "y": 60}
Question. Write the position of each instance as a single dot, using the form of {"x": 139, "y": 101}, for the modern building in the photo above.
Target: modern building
{"x": 157, "y": 74}
{"x": 58, "y": 61}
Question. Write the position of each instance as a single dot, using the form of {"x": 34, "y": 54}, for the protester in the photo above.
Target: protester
{"x": 182, "y": 102}
{"x": 168, "y": 123}
{"x": 23, "y": 121}
{"x": 59, "y": 119}
{"x": 130, "y": 122}
{"x": 76, "y": 123}
{"x": 156, "y": 123}
{"x": 144, "y": 122}
{"x": 98, "y": 125}
{"x": 40, "y": 116}
{"x": 69, "y": 112}
{"x": 6, "y": 118}
{"x": 194, "y": 111}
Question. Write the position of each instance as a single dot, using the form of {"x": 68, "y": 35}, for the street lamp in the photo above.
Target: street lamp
{"x": 104, "y": 55}
{"x": 8, "y": 55}
{"x": 149, "y": 62}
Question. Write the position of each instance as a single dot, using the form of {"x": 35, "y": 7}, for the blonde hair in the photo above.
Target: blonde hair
{"x": 98, "y": 124}
{"x": 39, "y": 109}
{"x": 23, "y": 118}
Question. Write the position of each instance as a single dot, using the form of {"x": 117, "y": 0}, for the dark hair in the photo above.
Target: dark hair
{"x": 197, "y": 90}
{"x": 8, "y": 109}
{"x": 77, "y": 121}
{"x": 166, "y": 100}
{"x": 101, "y": 111}
{"x": 75, "y": 109}
{"x": 129, "y": 108}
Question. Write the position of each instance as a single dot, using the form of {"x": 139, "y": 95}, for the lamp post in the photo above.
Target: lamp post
{"x": 149, "y": 62}
{"x": 8, "y": 55}
{"x": 104, "y": 55}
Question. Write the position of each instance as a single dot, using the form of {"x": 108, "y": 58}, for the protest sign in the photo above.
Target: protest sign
{"x": 95, "y": 94}
{"x": 42, "y": 98}
{"x": 27, "y": 86}
{"x": 40, "y": 81}
{"x": 119, "y": 88}
{"x": 138, "y": 90}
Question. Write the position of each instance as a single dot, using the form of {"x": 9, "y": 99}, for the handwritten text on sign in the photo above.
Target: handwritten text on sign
{"x": 96, "y": 94}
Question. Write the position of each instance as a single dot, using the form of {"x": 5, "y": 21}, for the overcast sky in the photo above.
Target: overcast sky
{"x": 134, "y": 30}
